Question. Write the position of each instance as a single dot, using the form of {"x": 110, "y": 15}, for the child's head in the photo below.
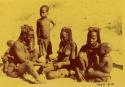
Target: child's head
{"x": 10, "y": 43}
{"x": 93, "y": 36}
{"x": 44, "y": 9}
{"x": 105, "y": 48}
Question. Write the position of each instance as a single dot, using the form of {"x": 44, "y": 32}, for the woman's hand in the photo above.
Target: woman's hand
{"x": 90, "y": 70}
{"x": 80, "y": 77}
{"x": 59, "y": 64}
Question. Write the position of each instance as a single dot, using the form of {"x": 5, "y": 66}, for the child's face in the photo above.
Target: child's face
{"x": 93, "y": 39}
{"x": 43, "y": 12}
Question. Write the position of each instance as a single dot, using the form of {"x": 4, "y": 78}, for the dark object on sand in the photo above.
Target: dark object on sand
{"x": 118, "y": 66}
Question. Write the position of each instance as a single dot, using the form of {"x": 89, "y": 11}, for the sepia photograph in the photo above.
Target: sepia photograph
{"x": 61, "y": 43}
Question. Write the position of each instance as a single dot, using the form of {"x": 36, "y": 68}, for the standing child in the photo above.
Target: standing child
{"x": 43, "y": 32}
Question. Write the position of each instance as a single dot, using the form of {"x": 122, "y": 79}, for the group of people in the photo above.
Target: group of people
{"x": 91, "y": 63}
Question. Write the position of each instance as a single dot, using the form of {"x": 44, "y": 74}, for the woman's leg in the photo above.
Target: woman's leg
{"x": 11, "y": 71}
{"x": 28, "y": 67}
{"x": 60, "y": 73}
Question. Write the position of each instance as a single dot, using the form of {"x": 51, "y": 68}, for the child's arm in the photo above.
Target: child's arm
{"x": 107, "y": 64}
{"x": 6, "y": 66}
{"x": 11, "y": 57}
{"x": 104, "y": 68}
{"x": 38, "y": 29}
{"x": 53, "y": 23}
{"x": 5, "y": 62}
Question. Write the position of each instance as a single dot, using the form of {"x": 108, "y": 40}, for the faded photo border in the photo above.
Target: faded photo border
{"x": 77, "y": 14}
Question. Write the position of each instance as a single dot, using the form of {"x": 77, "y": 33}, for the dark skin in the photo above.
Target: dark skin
{"x": 84, "y": 59}
{"x": 43, "y": 30}
{"x": 44, "y": 13}
{"x": 62, "y": 60}
{"x": 7, "y": 56}
{"x": 84, "y": 63}
{"x": 66, "y": 61}
{"x": 23, "y": 64}
{"x": 67, "y": 52}
{"x": 105, "y": 62}
{"x": 103, "y": 73}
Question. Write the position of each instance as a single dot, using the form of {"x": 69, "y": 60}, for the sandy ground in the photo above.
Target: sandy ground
{"x": 79, "y": 15}
{"x": 116, "y": 81}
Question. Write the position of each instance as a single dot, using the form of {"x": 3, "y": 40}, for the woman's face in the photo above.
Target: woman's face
{"x": 93, "y": 38}
{"x": 30, "y": 37}
{"x": 65, "y": 36}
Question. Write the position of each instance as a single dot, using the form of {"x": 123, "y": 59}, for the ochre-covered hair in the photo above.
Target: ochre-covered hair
{"x": 25, "y": 31}
{"x": 93, "y": 29}
{"x": 68, "y": 31}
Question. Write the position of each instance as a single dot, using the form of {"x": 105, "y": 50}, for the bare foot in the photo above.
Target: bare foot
{"x": 41, "y": 79}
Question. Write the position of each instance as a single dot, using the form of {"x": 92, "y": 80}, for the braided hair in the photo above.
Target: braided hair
{"x": 93, "y": 29}
{"x": 68, "y": 31}
{"x": 26, "y": 30}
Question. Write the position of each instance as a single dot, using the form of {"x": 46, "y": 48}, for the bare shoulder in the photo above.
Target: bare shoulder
{"x": 84, "y": 48}
{"x": 82, "y": 54}
{"x": 38, "y": 20}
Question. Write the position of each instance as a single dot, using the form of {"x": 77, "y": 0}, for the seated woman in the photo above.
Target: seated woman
{"x": 66, "y": 56}
{"x": 89, "y": 58}
{"x": 21, "y": 61}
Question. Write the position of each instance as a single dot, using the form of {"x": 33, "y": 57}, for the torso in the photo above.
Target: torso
{"x": 13, "y": 52}
{"x": 66, "y": 50}
{"x": 92, "y": 55}
{"x": 44, "y": 25}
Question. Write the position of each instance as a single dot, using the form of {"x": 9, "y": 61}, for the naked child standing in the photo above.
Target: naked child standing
{"x": 43, "y": 32}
